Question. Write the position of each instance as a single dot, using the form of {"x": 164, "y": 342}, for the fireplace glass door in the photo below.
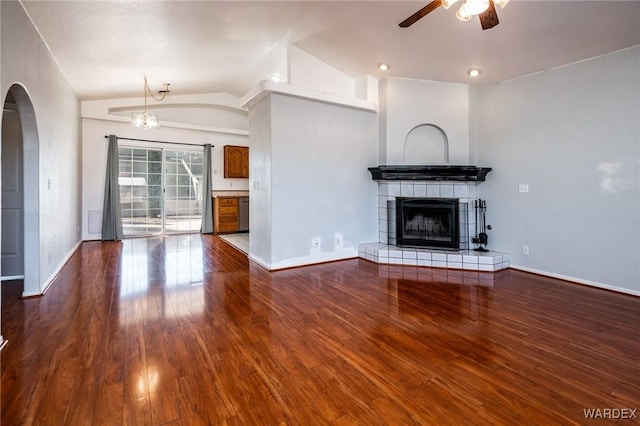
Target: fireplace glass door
{"x": 427, "y": 222}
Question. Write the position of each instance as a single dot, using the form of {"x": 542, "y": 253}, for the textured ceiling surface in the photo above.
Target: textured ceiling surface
{"x": 105, "y": 47}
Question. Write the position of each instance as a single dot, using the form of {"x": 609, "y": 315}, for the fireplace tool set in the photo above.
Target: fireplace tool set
{"x": 481, "y": 237}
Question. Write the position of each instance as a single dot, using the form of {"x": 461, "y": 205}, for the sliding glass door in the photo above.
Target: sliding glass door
{"x": 140, "y": 182}
{"x": 183, "y": 191}
{"x": 160, "y": 190}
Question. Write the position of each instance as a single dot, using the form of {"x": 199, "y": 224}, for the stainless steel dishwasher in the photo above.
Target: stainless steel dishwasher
{"x": 243, "y": 214}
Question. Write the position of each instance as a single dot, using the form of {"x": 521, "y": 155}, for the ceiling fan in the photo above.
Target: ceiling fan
{"x": 485, "y": 9}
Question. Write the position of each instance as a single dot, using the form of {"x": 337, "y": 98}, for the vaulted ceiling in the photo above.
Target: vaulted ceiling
{"x": 105, "y": 47}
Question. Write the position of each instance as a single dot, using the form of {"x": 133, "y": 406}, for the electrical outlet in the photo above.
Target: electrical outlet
{"x": 338, "y": 240}
{"x": 525, "y": 250}
{"x": 316, "y": 242}
{"x": 523, "y": 187}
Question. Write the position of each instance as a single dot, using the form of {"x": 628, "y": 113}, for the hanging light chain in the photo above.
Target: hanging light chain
{"x": 163, "y": 92}
{"x": 144, "y": 119}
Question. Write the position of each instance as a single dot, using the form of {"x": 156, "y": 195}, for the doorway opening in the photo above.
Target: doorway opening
{"x": 12, "y": 193}
{"x": 20, "y": 192}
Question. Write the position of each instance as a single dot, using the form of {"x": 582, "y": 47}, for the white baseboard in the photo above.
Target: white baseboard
{"x": 260, "y": 262}
{"x": 55, "y": 273}
{"x": 306, "y": 261}
{"x": 314, "y": 259}
{"x": 12, "y": 277}
{"x": 577, "y": 280}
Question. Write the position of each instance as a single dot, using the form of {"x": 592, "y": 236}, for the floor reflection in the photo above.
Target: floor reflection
{"x": 171, "y": 269}
{"x": 183, "y": 260}
{"x": 178, "y": 260}
{"x": 134, "y": 266}
{"x": 450, "y": 302}
{"x": 452, "y": 306}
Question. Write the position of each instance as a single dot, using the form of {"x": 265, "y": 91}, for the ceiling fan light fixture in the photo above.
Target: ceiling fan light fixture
{"x": 471, "y": 8}
{"x": 462, "y": 13}
{"x": 476, "y": 7}
{"x": 447, "y": 3}
{"x": 501, "y": 3}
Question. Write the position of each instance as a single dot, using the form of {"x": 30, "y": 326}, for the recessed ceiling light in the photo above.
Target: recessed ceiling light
{"x": 474, "y": 72}
{"x": 275, "y": 78}
{"x": 383, "y": 67}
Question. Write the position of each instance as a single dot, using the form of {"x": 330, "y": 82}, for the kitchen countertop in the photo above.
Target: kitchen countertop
{"x": 227, "y": 193}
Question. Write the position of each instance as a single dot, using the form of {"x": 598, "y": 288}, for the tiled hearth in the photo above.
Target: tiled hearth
{"x": 385, "y": 252}
{"x": 490, "y": 261}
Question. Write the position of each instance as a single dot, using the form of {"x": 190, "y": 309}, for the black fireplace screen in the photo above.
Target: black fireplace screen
{"x": 428, "y": 222}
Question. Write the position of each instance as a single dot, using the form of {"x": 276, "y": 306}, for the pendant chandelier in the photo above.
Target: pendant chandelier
{"x": 144, "y": 119}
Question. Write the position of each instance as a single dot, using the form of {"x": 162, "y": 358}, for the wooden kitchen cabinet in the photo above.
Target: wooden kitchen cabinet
{"x": 225, "y": 214}
{"x": 236, "y": 161}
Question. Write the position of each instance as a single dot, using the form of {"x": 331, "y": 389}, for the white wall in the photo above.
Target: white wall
{"x": 260, "y": 182}
{"x": 406, "y": 103}
{"x": 320, "y": 186}
{"x": 94, "y": 158}
{"x": 573, "y": 135}
{"x": 25, "y": 59}
{"x": 308, "y": 71}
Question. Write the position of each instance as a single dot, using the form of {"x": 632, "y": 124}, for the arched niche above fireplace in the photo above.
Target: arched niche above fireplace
{"x": 426, "y": 144}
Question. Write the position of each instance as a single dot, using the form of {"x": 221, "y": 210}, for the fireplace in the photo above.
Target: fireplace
{"x": 453, "y": 185}
{"x": 428, "y": 222}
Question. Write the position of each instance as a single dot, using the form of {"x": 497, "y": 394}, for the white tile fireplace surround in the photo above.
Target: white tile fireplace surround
{"x": 385, "y": 252}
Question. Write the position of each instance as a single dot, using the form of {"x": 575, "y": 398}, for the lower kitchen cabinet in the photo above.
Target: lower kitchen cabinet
{"x": 225, "y": 214}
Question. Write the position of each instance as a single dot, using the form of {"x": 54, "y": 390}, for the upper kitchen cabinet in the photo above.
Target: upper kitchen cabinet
{"x": 236, "y": 161}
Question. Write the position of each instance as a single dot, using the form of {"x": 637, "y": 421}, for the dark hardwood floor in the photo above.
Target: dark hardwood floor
{"x": 184, "y": 330}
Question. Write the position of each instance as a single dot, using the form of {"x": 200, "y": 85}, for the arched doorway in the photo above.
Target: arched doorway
{"x": 12, "y": 193}
{"x": 20, "y": 195}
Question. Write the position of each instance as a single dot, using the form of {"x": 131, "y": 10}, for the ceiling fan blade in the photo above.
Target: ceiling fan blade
{"x": 489, "y": 18}
{"x": 420, "y": 14}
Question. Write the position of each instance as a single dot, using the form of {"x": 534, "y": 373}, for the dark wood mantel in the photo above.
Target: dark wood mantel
{"x": 430, "y": 172}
